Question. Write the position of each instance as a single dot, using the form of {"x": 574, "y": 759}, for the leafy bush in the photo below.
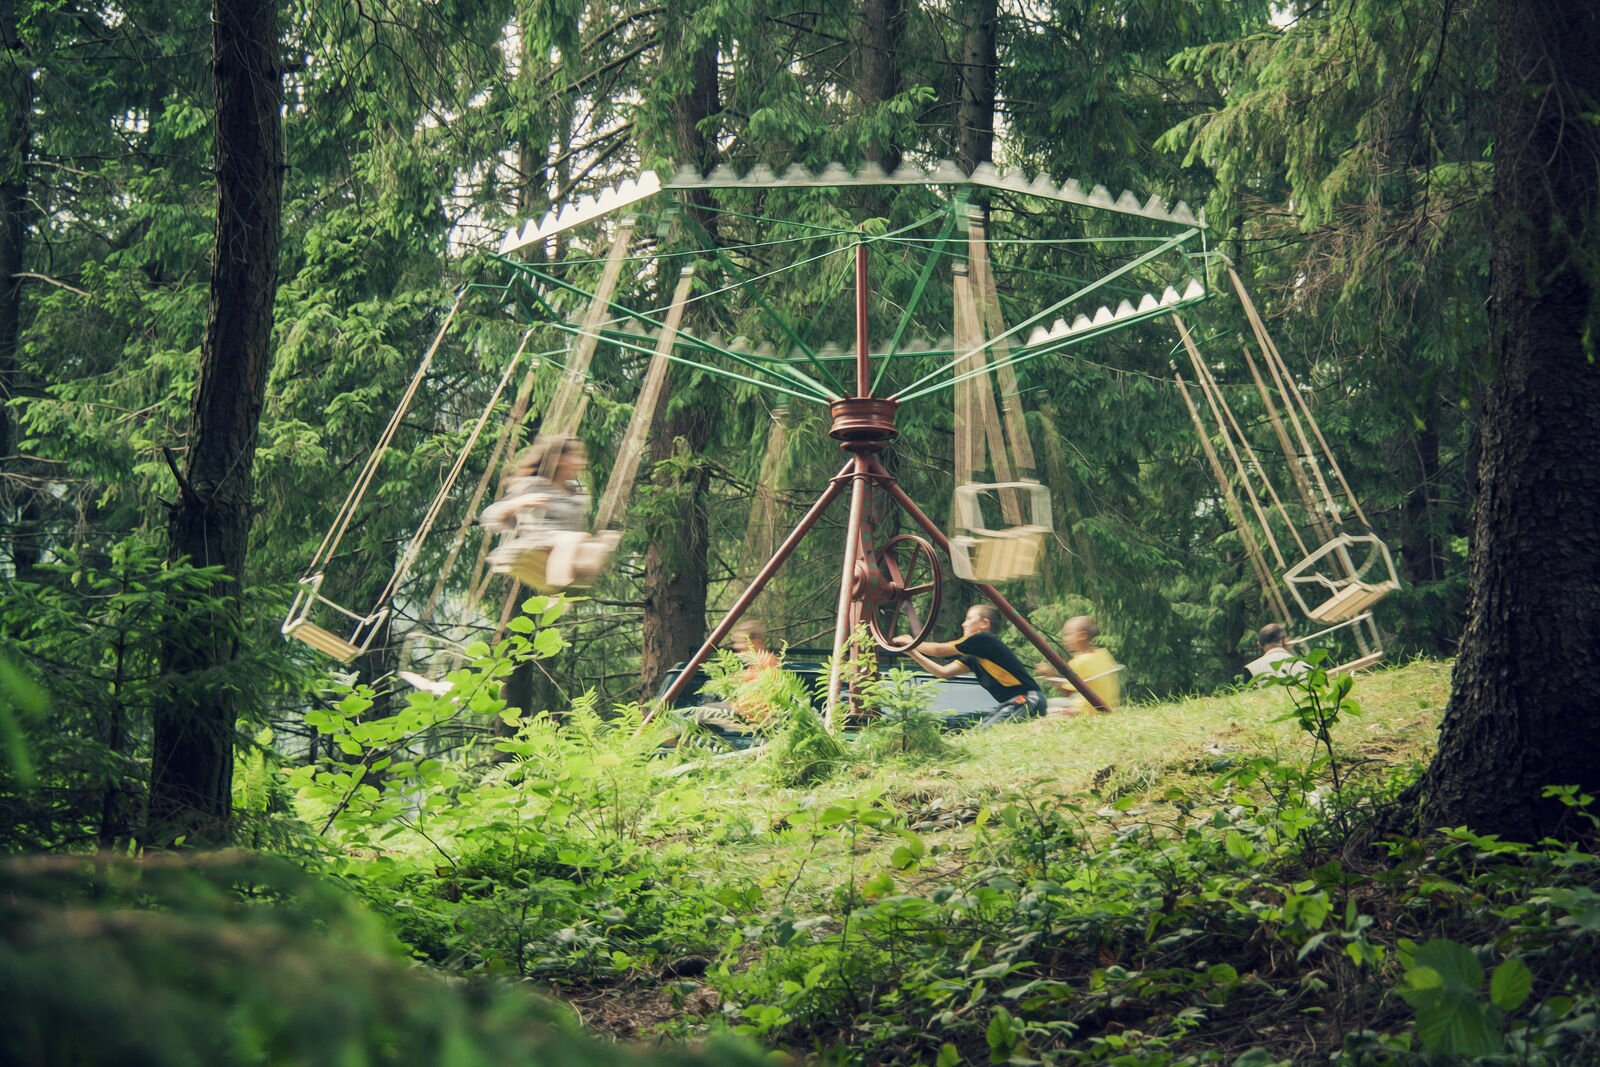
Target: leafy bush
{"x": 236, "y": 958}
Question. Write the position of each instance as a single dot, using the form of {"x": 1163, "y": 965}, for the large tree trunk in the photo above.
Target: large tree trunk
{"x": 16, "y": 129}
{"x": 1522, "y": 711}
{"x": 976, "y": 104}
{"x": 676, "y": 563}
{"x": 192, "y": 759}
{"x": 878, "y": 69}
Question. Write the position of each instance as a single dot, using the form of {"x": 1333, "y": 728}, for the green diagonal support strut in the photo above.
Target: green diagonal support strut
{"x": 928, "y": 265}
{"x": 783, "y": 323}
{"x": 920, "y": 387}
{"x": 632, "y": 342}
{"x": 787, "y": 371}
{"x": 1023, "y": 355}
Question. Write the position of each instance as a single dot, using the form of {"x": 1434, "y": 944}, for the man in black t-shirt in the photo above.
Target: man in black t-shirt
{"x": 998, "y": 669}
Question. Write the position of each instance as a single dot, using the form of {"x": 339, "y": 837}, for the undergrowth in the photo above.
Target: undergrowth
{"x": 1218, "y": 915}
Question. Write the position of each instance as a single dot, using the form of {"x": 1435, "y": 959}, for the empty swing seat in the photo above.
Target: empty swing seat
{"x": 1348, "y": 593}
{"x": 980, "y": 553}
{"x": 300, "y": 626}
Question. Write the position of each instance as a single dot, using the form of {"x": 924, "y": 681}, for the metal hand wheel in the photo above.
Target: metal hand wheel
{"x": 905, "y": 598}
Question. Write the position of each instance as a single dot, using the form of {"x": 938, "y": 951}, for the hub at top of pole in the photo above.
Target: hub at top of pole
{"x": 863, "y": 423}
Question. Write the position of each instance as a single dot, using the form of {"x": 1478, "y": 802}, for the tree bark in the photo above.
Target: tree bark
{"x": 193, "y": 741}
{"x": 16, "y": 136}
{"x": 976, "y": 105}
{"x": 879, "y": 70}
{"x": 1524, "y": 693}
{"x": 676, "y": 565}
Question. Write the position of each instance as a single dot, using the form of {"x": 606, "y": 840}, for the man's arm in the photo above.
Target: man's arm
{"x": 940, "y": 670}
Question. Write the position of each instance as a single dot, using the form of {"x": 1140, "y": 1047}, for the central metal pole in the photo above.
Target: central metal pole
{"x": 859, "y": 476}
{"x": 863, "y": 378}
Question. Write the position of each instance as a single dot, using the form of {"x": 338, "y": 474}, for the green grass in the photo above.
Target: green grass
{"x": 1138, "y": 750}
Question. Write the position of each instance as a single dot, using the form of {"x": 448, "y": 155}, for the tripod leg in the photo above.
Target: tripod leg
{"x": 740, "y": 606}
{"x": 852, "y": 546}
{"x": 1024, "y": 627}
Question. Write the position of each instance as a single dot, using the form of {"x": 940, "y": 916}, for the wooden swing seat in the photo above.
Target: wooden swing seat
{"x": 981, "y": 554}
{"x": 1349, "y": 596}
{"x": 530, "y": 566}
{"x": 1350, "y": 601}
{"x": 323, "y": 641}
{"x": 999, "y": 556}
{"x": 299, "y": 625}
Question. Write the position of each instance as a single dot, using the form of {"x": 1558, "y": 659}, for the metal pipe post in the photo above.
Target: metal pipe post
{"x": 863, "y": 370}
{"x": 852, "y": 544}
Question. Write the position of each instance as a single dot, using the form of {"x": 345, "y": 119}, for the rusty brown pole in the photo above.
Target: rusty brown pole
{"x": 847, "y": 581}
{"x": 742, "y": 604}
{"x": 858, "y": 495}
{"x": 885, "y": 479}
{"x": 863, "y": 370}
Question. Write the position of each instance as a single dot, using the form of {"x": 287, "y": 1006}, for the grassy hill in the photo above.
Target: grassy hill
{"x": 1194, "y": 882}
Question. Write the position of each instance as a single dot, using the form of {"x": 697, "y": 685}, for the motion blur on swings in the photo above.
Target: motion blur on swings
{"x": 543, "y": 519}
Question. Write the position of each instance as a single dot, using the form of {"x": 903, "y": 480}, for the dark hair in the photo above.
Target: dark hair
{"x": 1271, "y": 634}
{"x": 992, "y": 614}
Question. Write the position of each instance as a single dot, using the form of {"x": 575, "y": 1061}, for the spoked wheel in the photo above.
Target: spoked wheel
{"x": 905, "y": 599}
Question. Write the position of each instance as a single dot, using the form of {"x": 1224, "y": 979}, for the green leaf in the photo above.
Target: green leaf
{"x": 1510, "y": 985}
{"x": 1457, "y": 1024}
{"x": 1454, "y": 962}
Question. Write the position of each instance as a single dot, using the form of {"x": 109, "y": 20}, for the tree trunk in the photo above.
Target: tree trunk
{"x": 1523, "y": 697}
{"x": 879, "y": 70}
{"x": 976, "y": 105}
{"x": 192, "y": 754}
{"x": 676, "y": 563}
{"x": 16, "y": 133}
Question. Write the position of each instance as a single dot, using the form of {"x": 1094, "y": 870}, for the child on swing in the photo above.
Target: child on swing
{"x": 546, "y": 508}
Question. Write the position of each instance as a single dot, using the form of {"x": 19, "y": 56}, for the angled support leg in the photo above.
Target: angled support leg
{"x": 740, "y": 606}
{"x": 860, "y": 474}
{"x": 1024, "y": 627}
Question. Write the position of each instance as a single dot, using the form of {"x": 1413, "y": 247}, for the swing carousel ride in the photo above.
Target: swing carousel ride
{"x": 684, "y": 271}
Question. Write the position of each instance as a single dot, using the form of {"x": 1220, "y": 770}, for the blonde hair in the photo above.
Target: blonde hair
{"x": 545, "y": 455}
{"x": 1085, "y": 623}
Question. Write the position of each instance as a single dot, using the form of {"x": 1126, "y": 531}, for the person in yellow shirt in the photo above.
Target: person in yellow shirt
{"x": 1094, "y": 665}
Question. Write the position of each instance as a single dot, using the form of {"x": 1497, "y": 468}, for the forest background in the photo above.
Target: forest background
{"x": 230, "y": 231}
{"x": 412, "y": 135}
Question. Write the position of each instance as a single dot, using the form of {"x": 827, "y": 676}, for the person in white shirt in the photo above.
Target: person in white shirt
{"x": 1275, "y": 661}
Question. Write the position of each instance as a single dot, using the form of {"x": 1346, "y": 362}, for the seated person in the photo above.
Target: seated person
{"x": 1275, "y": 661}
{"x": 545, "y": 509}
{"x": 998, "y": 670}
{"x": 1095, "y": 666}
{"x": 749, "y": 640}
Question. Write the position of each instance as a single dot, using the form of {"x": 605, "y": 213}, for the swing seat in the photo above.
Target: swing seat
{"x": 1349, "y": 593}
{"x": 1347, "y": 603}
{"x": 299, "y": 624}
{"x": 529, "y": 562}
{"x": 979, "y": 553}
{"x": 999, "y": 556}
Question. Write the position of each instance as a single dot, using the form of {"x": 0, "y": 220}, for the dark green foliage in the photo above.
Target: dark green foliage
{"x": 1188, "y": 932}
{"x": 232, "y": 958}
